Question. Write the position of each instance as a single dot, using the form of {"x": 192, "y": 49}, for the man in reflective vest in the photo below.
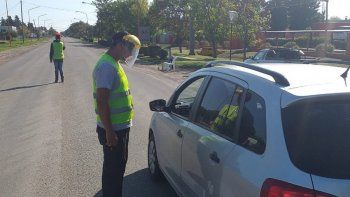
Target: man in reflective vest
{"x": 57, "y": 56}
{"x": 114, "y": 108}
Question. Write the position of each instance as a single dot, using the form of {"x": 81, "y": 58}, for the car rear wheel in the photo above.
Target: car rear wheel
{"x": 153, "y": 165}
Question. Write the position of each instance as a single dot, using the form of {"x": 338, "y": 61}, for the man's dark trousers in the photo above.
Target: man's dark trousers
{"x": 58, "y": 68}
{"x": 114, "y": 163}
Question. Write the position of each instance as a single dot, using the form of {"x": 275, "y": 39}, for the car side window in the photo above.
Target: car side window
{"x": 259, "y": 55}
{"x": 219, "y": 108}
{"x": 252, "y": 133}
{"x": 186, "y": 97}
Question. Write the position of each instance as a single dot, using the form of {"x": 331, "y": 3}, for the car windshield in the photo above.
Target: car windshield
{"x": 317, "y": 134}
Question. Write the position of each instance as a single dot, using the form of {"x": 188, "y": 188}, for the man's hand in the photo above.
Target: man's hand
{"x": 112, "y": 139}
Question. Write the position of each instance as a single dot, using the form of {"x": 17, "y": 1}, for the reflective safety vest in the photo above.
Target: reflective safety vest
{"x": 227, "y": 115}
{"x": 58, "y": 50}
{"x": 120, "y": 99}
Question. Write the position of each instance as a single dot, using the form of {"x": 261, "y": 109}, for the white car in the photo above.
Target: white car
{"x": 239, "y": 130}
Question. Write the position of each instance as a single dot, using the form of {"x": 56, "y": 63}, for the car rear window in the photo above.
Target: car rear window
{"x": 317, "y": 134}
{"x": 288, "y": 54}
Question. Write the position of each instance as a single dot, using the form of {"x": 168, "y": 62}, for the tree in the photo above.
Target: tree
{"x": 168, "y": 15}
{"x": 3, "y": 21}
{"x": 115, "y": 16}
{"x": 212, "y": 17}
{"x": 17, "y": 22}
{"x": 279, "y": 14}
{"x": 9, "y": 21}
{"x": 139, "y": 9}
{"x": 303, "y": 13}
{"x": 77, "y": 30}
{"x": 51, "y": 31}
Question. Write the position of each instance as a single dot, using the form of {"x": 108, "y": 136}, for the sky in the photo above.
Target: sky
{"x": 61, "y": 13}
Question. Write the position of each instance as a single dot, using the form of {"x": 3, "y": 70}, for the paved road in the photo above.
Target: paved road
{"x": 48, "y": 144}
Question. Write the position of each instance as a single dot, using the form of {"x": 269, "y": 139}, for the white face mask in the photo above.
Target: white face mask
{"x": 130, "y": 61}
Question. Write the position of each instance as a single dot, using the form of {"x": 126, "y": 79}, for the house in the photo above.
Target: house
{"x": 7, "y": 28}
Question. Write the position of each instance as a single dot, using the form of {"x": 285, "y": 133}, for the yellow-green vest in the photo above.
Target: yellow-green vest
{"x": 58, "y": 50}
{"x": 120, "y": 99}
{"x": 227, "y": 115}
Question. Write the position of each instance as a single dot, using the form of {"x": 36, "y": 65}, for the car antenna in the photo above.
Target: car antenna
{"x": 345, "y": 75}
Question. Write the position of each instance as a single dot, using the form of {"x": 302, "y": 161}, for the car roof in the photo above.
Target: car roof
{"x": 304, "y": 79}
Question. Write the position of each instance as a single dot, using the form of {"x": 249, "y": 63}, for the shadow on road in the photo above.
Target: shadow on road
{"x": 139, "y": 184}
{"x": 89, "y": 46}
{"x": 25, "y": 87}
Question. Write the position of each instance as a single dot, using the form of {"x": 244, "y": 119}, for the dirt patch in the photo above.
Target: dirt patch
{"x": 8, "y": 55}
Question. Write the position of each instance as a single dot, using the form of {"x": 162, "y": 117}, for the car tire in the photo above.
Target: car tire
{"x": 153, "y": 165}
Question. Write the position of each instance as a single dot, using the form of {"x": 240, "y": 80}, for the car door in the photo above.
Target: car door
{"x": 170, "y": 127}
{"x": 209, "y": 137}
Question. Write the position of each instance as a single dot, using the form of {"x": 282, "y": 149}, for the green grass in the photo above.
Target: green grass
{"x": 5, "y": 45}
{"x": 187, "y": 61}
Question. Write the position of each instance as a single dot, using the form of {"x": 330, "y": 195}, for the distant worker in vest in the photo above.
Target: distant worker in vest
{"x": 57, "y": 56}
{"x": 114, "y": 108}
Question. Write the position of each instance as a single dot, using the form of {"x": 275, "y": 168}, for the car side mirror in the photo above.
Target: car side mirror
{"x": 158, "y": 105}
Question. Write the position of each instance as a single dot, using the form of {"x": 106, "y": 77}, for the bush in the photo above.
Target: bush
{"x": 144, "y": 51}
{"x": 321, "y": 48}
{"x": 267, "y": 45}
{"x": 163, "y": 54}
{"x": 303, "y": 41}
{"x": 291, "y": 45}
{"x": 103, "y": 43}
{"x": 153, "y": 50}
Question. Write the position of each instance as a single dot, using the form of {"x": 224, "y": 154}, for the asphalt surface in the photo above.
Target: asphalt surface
{"x": 48, "y": 143}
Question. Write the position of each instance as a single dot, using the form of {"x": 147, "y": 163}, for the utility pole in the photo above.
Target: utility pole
{"x": 22, "y": 22}
{"x": 7, "y": 10}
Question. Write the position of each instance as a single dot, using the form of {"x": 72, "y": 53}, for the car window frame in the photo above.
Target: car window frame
{"x": 200, "y": 100}
{"x": 179, "y": 90}
{"x": 239, "y": 131}
{"x": 263, "y": 57}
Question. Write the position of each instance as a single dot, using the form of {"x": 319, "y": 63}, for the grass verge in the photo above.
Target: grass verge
{"x": 5, "y": 45}
{"x": 186, "y": 61}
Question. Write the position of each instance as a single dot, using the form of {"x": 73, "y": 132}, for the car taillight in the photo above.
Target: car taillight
{"x": 276, "y": 188}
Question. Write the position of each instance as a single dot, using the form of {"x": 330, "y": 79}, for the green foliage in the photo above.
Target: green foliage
{"x": 293, "y": 14}
{"x": 144, "y": 51}
{"x": 267, "y": 45}
{"x": 321, "y": 48}
{"x": 291, "y": 45}
{"x": 153, "y": 50}
{"x": 77, "y": 30}
{"x": 163, "y": 54}
{"x": 279, "y": 19}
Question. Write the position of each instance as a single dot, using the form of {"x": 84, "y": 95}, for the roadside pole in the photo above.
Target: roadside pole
{"x": 22, "y": 22}
{"x": 348, "y": 44}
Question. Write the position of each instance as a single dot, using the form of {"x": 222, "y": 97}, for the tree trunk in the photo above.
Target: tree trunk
{"x": 179, "y": 42}
{"x": 245, "y": 43}
{"x": 213, "y": 41}
{"x": 191, "y": 37}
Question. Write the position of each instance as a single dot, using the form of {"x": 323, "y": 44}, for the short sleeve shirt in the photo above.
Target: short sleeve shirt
{"x": 106, "y": 76}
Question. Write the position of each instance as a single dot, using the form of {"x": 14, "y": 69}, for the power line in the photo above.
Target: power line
{"x": 48, "y": 7}
{"x": 12, "y": 8}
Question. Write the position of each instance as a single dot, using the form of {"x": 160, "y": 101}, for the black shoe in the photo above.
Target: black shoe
{"x": 62, "y": 79}
{"x": 56, "y": 81}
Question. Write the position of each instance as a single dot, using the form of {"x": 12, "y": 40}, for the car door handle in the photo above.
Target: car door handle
{"x": 179, "y": 133}
{"x": 214, "y": 157}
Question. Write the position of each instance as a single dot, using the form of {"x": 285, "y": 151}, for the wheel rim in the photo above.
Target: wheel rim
{"x": 151, "y": 157}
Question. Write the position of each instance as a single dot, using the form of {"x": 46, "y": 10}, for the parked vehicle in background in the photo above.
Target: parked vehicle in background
{"x": 241, "y": 130}
{"x": 276, "y": 55}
